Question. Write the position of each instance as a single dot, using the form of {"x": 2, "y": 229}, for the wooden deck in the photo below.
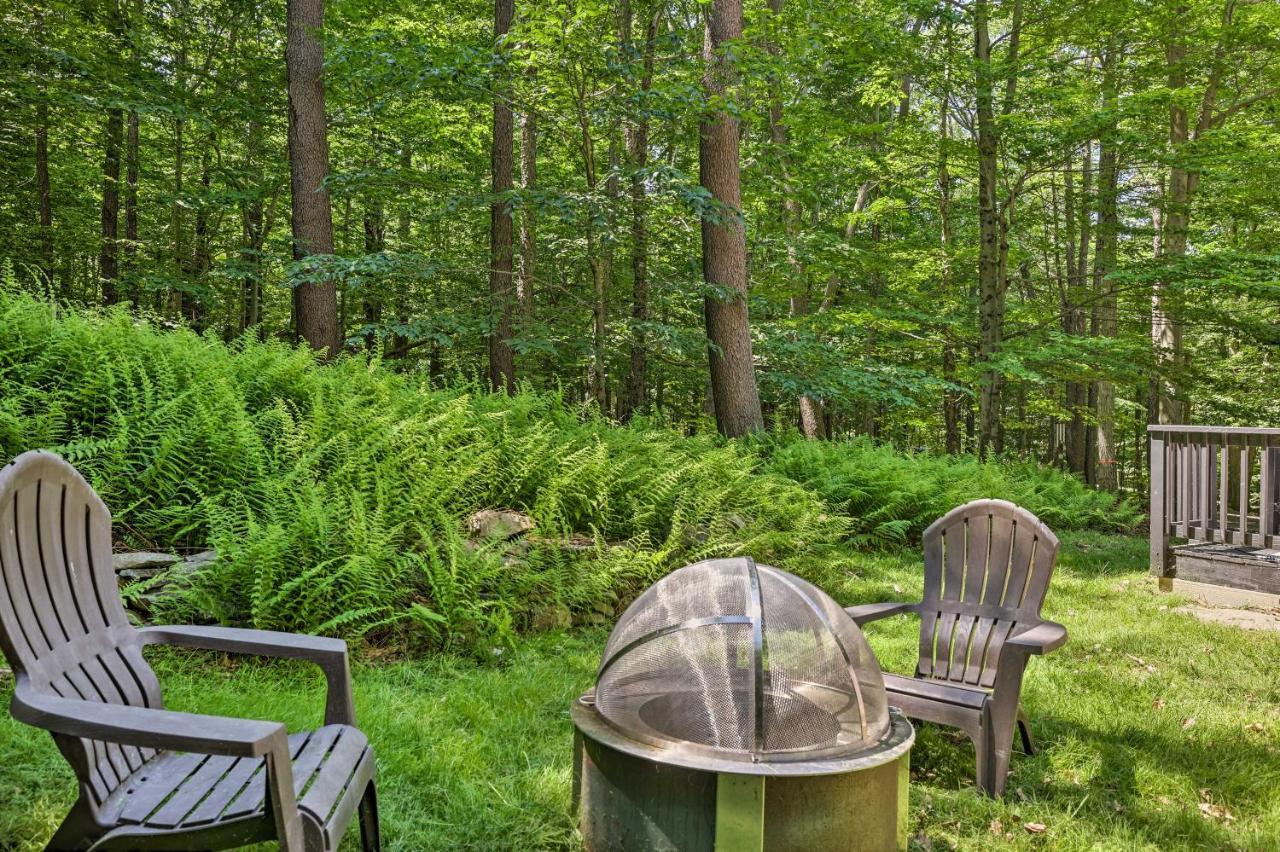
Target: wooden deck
{"x": 1215, "y": 507}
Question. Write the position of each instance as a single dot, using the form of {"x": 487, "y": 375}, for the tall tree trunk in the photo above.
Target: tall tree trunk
{"x": 251, "y": 260}
{"x": 316, "y": 303}
{"x": 529, "y": 210}
{"x": 724, "y": 244}
{"x": 636, "y": 395}
{"x": 201, "y": 257}
{"x": 404, "y": 234}
{"x": 1166, "y": 331}
{"x": 1073, "y": 322}
{"x": 132, "y": 133}
{"x": 502, "y": 368}
{"x": 951, "y": 399}
{"x": 375, "y": 242}
{"x": 108, "y": 254}
{"x": 1103, "y": 265}
{"x": 132, "y": 139}
{"x": 177, "y": 208}
{"x": 44, "y": 192}
{"x": 991, "y": 287}
{"x": 812, "y": 424}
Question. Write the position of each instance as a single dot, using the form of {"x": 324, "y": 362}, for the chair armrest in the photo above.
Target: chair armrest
{"x": 865, "y": 613}
{"x": 1041, "y": 639}
{"x": 147, "y": 728}
{"x": 329, "y": 654}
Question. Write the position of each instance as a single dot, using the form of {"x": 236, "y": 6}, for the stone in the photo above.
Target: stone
{"x": 553, "y": 617}
{"x": 143, "y": 565}
{"x": 196, "y": 561}
{"x": 499, "y": 523}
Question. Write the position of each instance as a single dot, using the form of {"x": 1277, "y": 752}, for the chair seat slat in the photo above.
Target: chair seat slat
{"x": 251, "y": 797}
{"x": 335, "y": 775}
{"x": 191, "y": 792}
{"x": 147, "y": 789}
{"x": 962, "y": 696}
{"x": 227, "y": 788}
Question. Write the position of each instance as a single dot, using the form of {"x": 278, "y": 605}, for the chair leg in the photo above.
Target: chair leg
{"x": 982, "y": 752}
{"x": 993, "y": 744}
{"x": 370, "y": 834}
{"x": 1024, "y": 728}
{"x": 78, "y": 831}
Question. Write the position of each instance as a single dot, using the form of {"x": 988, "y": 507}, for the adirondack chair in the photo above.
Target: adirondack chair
{"x": 150, "y": 778}
{"x": 986, "y": 570}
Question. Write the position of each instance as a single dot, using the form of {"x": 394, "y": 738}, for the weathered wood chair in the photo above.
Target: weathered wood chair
{"x": 150, "y": 778}
{"x": 986, "y": 570}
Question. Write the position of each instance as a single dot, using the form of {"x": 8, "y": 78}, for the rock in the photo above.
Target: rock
{"x": 499, "y": 523}
{"x": 577, "y": 542}
{"x": 196, "y": 561}
{"x": 142, "y": 566}
{"x": 553, "y": 617}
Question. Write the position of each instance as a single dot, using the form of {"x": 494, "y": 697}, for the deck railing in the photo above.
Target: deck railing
{"x": 1213, "y": 484}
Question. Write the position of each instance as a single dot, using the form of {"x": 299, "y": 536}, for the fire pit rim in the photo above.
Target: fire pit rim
{"x": 897, "y": 742}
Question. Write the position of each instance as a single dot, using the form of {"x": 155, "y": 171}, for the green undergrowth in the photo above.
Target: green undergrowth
{"x": 337, "y": 496}
{"x": 889, "y": 497}
{"x": 1157, "y": 732}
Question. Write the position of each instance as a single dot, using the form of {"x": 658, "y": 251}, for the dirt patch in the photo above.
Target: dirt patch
{"x": 1245, "y": 619}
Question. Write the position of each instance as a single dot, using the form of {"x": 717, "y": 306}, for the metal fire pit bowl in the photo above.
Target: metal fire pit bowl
{"x": 738, "y": 708}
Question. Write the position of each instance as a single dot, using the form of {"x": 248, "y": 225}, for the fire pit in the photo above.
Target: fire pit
{"x": 737, "y": 707}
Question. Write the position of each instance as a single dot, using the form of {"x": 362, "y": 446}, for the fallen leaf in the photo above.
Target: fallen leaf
{"x": 997, "y": 827}
{"x": 1035, "y": 827}
{"x": 1256, "y": 728}
{"x": 1208, "y": 810}
{"x": 1158, "y": 704}
{"x": 1189, "y": 722}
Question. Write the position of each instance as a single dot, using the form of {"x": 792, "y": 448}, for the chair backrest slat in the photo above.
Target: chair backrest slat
{"x": 62, "y": 623}
{"x": 987, "y": 568}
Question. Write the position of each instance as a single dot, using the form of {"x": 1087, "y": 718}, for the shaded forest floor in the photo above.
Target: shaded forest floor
{"x": 1157, "y": 731}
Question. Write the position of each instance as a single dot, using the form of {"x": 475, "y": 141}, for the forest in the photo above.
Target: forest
{"x": 1014, "y": 228}
{"x": 441, "y": 331}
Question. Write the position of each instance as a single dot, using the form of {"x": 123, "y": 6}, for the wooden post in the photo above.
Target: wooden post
{"x": 1159, "y": 524}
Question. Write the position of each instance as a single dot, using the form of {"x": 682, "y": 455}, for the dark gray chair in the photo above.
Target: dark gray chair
{"x": 150, "y": 778}
{"x": 987, "y": 566}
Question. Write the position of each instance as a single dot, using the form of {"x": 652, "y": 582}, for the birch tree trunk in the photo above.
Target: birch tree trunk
{"x": 529, "y": 211}
{"x": 991, "y": 286}
{"x": 1104, "y": 264}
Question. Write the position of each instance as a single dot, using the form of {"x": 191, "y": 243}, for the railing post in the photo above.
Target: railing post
{"x": 1160, "y": 555}
{"x": 1266, "y": 496}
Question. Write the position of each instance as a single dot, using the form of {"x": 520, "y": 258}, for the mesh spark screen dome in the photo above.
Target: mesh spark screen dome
{"x": 742, "y": 661}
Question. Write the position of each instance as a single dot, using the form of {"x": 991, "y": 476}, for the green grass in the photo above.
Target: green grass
{"x": 478, "y": 756}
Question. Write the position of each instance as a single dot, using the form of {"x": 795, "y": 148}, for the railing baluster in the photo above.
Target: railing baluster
{"x": 1161, "y": 472}
{"x": 1203, "y": 489}
{"x": 1224, "y": 491}
{"x": 1242, "y": 531}
{"x": 1184, "y": 490}
{"x": 1266, "y": 500}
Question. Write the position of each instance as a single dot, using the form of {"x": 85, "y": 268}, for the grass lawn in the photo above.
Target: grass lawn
{"x": 1157, "y": 731}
